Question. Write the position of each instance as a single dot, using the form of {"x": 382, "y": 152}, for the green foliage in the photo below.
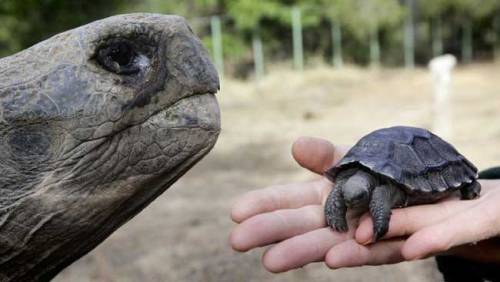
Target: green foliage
{"x": 187, "y": 8}
{"x": 25, "y": 22}
{"x": 476, "y": 8}
{"x": 433, "y": 8}
{"x": 247, "y": 14}
{"x": 362, "y": 17}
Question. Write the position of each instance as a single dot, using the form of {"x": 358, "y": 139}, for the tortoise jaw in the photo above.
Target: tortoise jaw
{"x": 194, "y": 111}
{"x": 95, "y": 209}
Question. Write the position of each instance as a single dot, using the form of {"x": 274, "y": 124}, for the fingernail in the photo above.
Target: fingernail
{"x": 367, "y": 242}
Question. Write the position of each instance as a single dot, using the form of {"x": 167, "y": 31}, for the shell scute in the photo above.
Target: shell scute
{"x": 413, "y": 157}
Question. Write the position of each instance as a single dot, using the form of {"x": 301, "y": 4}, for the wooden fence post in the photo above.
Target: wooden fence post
{"x": 409, "y": 42}
{"x": 215, "y": 24}
{"x": 437, "y": 37}
{"x": 467, "y": 41}
{"x": 374, "y": 48}
{"x": 496, "y": 36}
{"x": 337, "y": 45}
{"x": 298, "y": 56}
{"x": 258, "y": 56}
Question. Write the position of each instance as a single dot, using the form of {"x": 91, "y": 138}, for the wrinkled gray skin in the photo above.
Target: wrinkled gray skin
{"x": 83, "y": 148}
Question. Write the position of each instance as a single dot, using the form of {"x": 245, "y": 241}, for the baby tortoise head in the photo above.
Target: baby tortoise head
{"x": 95, "y": 123}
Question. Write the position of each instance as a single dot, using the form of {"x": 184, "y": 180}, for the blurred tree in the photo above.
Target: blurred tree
{"x": 163, "y": 7}
{"x": 433, "y": 10}
{"x": 193, "y": 10}
{"x": 27, "y": 22}
{"x": 370, "y": 30}
{"x": 269, "y": 22}
{"x": 337, "y": 13}
{"x": 247, "y": 16}
{"x": 468, "y": 11}
{"x": 365, "y": 19}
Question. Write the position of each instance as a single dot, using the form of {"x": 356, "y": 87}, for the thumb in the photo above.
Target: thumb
{"x": 316, "y": 154}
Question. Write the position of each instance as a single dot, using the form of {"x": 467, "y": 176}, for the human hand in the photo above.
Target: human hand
{"x": 290, "y": 218}
{"x": 451, "y": 226}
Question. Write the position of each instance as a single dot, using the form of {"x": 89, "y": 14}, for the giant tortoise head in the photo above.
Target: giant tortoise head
{"x": 95, "y": 123}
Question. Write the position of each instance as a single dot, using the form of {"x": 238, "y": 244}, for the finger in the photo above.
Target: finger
{"x": 268, "y": 228}
{"x": 350, "y": 254}
{"x": 406, "y": 221}
{"x": 316, "y": 154}
{"x": 409, "y": 220}
{"x": 301, "y": 250}
{"x": 288, "y": 196}
{"x": 472, "y": 225}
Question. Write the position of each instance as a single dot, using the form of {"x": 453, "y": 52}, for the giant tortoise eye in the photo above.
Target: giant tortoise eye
{"x": 119, "y": 57}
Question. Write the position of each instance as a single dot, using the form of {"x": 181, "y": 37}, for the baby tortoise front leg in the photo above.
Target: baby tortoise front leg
{"x": 335, "y": 207}
{"x": 384, "y": 197}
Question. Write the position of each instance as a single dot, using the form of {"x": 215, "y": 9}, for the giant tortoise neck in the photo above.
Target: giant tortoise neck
{"x": 44, "y": 233}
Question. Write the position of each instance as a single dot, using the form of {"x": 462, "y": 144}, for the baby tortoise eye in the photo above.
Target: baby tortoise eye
{"x": 119, "y": 57}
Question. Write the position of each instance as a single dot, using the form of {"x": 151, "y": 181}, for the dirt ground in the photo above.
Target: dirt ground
{"x": 182, "y": 236}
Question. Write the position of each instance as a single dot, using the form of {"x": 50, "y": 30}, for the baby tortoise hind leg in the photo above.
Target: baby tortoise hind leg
{"x": 384, "y": 197}
{"x": 470, "y": 191}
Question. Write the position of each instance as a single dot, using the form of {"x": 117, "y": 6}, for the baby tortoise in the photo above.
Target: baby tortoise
{"x": 393, "y": 168}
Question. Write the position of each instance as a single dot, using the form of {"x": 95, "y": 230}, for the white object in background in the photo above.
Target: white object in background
{"x": 441, "y": 68}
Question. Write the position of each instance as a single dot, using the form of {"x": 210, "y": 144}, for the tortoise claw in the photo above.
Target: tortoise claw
{"x": 340, "y": 225}
{"x": 335, "y": 211}
{"x": 379, "y": 230}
